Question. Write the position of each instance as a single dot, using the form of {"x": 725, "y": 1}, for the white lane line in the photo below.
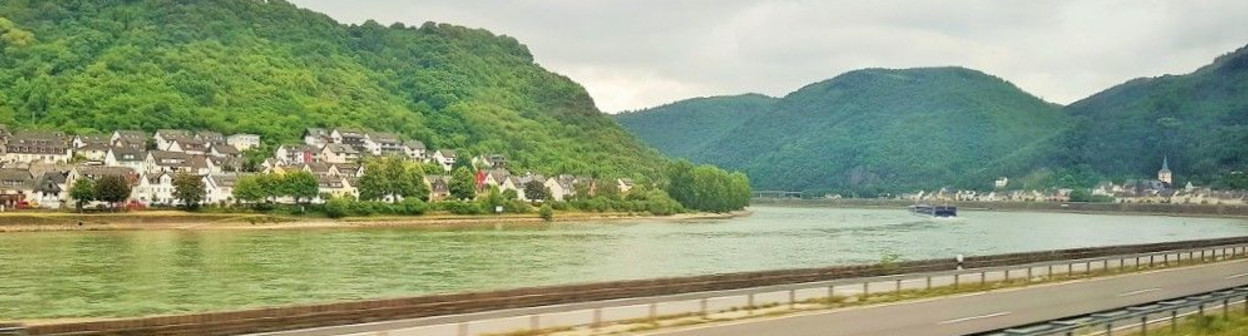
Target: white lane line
{"x": 1138, "y": 292}
{"x": 1238, "y": 276}
{"x": 972, "y": 318}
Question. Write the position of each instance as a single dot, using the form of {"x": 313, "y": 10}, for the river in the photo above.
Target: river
{"x": 135, "y": 273}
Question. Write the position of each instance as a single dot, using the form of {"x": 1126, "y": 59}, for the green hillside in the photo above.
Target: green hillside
{"x": 877, "y": 130}
{"x": 270, "y": 68}
{"x": 1199, "y": 120}
{"x": 683, "y": 128}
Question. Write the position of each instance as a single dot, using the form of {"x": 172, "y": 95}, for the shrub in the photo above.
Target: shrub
{"x": 412, "y": 207}
{"x": 546, "y": 212}
{"x": 463, "y": 208}
{"x": 338, "y": 207}
{"x": 517, "y": 207}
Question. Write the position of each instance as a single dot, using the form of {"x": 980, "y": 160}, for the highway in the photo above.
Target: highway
{"x": 980, "y": 312}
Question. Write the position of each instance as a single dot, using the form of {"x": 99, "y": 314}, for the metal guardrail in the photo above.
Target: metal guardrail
{"x": 12, "y": 330}
{"x": 1135, "y": 317}
{"x": 868, "y": 285}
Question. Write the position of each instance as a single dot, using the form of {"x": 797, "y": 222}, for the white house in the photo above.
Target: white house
{"x": 297, "y": 154}
{"x": 84, "y": 140}
{"x": 155, "y": 189}
{"x": 243, "y": 141}
{"x": 316, "y": 137}
{"x": 381, "y": 143}
{"x": 444, "y": 157}
{"x": 219, "y": 188}
{"x": 337, "y": 187}
{"x": 135, "y": 159}
{"x": 128, "y": 139}
{"x": 189, "y": 146}
{"x": 416, "y": 150}
{"x": 165, "y": 136}
{"x": 93, "y": 152}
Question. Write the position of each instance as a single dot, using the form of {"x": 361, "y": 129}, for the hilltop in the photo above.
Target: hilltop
{"x": 1199, "y": 120}
{"x": 273, "y": 69}
{"x": 682, "y": 128}
{"x": 885, "y": 130}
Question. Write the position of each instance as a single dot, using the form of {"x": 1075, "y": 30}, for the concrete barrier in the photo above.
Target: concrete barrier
{"x": 310, "y": 316}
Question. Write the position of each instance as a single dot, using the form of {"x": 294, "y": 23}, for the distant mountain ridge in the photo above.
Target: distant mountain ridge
{"x": 682, "y": 128}
{"x": 887, "y": 131}
{"x": 882, "y": 130}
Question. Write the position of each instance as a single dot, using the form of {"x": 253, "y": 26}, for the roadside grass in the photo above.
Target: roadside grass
{"x": 1236, "y": 324}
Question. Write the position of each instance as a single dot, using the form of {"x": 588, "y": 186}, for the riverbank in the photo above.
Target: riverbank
{"x": 1142, "y": 209}
{"x": 181, "y": 220}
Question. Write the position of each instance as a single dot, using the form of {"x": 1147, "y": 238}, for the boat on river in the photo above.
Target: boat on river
{"x": 939, "y": 211}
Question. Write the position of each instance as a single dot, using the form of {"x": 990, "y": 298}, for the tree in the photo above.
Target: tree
{"x": 394, "y": 179}
{"x": 493, "y": 199}
{"x": 189, "y": 189}
{"x": 707, "y": 188}
{"x": 463, "y": 184}
{"x": 535, "y": 190}
{"x": 83, "y": 192}
{"x": 546, "y": 212}
{"x": 609, "y": 189}
{"x": 300, "y": 185}
{"x": 248, "y": 189}
{"x": 113, "y": 189}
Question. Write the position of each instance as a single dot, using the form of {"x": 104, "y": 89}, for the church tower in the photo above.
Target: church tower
{"x": 1164, "y": 175}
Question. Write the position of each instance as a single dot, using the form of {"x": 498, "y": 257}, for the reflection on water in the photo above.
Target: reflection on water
{"x": 99, "y": 274}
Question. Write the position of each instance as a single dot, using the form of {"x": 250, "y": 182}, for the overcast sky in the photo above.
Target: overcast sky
{"x": 633, "y": 54}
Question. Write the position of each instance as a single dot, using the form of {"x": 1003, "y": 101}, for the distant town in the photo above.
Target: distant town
{"x": 38, "y": 168}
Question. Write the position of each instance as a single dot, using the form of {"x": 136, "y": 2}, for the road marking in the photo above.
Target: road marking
{"x": 1238, "y": 276}
{"x": 972, "y": 318}
{"x": 1138, "y": 292}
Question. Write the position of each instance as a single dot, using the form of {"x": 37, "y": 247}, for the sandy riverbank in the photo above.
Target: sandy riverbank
{"x": 179, "y": 220}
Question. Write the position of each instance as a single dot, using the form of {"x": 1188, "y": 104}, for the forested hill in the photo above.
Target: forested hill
{"x": 879, "y": 130}
{"x": 683, "y": 128}
{"x": 270, "y": 68}
{"x": 1199, "y": 120}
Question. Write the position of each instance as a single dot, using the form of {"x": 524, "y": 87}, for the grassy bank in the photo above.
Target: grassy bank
{"x": 182, "y": 220}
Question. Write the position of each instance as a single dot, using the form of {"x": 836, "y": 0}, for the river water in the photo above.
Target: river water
{"x": 135, "y": 273}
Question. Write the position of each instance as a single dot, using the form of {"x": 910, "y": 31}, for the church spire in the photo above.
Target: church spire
{"x": 1165, "y": 162}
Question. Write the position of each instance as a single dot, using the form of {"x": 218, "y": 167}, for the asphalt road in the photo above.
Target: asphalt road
{"x": 992, "y": 310}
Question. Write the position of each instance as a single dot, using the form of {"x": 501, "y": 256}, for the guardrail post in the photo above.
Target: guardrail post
{"x": 929, "y": 286}
{"x": 1201, "y": 309}
{"x": 983, "y": 277}
{"x": 1150, "y": 260}
{"x": 654, "y": 310}
{"x": 792, "y": 298}
{"x": 956, "y": 279}
{"x": 597, "y": 318}
{"x": 831, "y": 293}
{"x": 1174, "y": 320}
{"x": 1007, "y": 275}
{"x": 866, "y": 290}
{"x": 1144, "y": 325}
{"x": 1087, "y": 268}
{"x": 1226, "y": 308}
{"x": 1109, "y": 328}
{"x": 1070, "y": 269}
{"x": 1028, "y": 273}
{"x": 1105, "y": 265}
{"x": 1049, "y": 273}
{"x": 1245, "y": 304}
{"x": 703, "y": 307}
{"x": 898, "y": 286}
{"x": 749, "y": 304}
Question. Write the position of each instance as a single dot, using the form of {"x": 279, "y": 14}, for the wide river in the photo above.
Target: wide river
{"x": 132, "y": 273}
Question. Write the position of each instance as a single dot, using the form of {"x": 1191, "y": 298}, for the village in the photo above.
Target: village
{"x": 1148, "y": 191}
{"x": 38, "y": 168}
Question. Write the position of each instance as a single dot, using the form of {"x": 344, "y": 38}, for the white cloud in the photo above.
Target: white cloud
{"x": 636, "y": 54}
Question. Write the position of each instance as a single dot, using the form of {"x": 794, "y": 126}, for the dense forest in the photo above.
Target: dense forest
{"x": 1199, "y": 120}
{"x": 877, "y": 131}
{"x": 683, "y": 128}
{"x": 270, "y": 68}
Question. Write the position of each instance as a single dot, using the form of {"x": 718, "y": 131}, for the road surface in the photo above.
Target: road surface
{"x": 991, "y": 310}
